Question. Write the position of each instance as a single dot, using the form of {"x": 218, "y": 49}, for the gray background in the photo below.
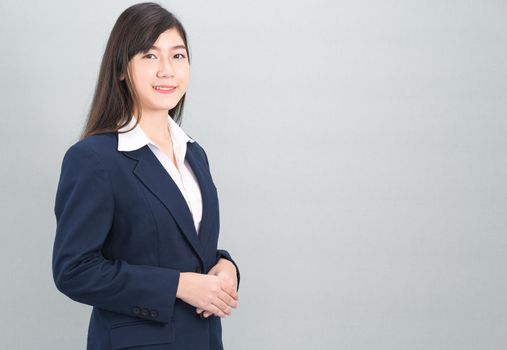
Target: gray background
{"x": 358, "y": 148}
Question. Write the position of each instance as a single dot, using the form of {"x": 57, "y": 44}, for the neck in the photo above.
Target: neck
{"x": 156, "y": 126}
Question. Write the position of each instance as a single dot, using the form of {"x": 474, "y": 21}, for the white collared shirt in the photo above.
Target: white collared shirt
{"x": 184, "y": 178}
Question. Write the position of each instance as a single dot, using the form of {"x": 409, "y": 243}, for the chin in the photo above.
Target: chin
{"x": 165, "y": 106}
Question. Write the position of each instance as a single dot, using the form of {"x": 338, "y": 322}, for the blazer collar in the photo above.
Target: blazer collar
{"x": 136, "y": 138}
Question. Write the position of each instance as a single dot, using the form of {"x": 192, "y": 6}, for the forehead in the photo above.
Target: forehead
{"x": 168, "y": 40}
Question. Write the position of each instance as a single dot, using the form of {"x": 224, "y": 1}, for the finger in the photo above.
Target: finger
{"x": 229, "y": 286}
{"x": 203, "y": 312}
{"x": 226, "y": 298}
{"x": 221, "y": 304}
{"x": 206, "y": 314}
{"x": 234, "y": 293}
{"x": 217, "y": 311}
{"x": 231, "y": 290}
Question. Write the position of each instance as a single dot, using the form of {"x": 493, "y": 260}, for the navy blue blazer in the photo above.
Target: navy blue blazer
{"x": 124, "y": 233}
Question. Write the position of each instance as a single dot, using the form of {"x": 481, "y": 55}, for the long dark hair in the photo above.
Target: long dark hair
{"x": 135, "y": 30}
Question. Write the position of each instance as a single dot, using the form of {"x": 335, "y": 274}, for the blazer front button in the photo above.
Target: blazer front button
{"x": 145, "y": 312}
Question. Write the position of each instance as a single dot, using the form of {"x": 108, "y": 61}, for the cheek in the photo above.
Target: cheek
{"x": 183, "y": 77}
{"x": 147, "y": 76}
{"x": 183, "y": 71}
{"x": 144, "y": 74}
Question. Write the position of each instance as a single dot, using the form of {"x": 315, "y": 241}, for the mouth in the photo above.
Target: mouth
{"x": 164, "y": 89}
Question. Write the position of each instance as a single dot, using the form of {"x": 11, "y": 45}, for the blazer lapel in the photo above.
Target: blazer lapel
{"x": 153, "y": 175}
{"x": 205, "y": 184}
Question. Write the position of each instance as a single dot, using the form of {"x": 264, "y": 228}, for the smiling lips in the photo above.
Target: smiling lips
{"x": 165, "y": 89}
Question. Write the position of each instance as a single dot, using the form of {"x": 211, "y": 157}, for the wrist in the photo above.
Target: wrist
{"x": 180, "y": 291}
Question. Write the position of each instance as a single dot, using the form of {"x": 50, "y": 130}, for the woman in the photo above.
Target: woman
{"x": 137, "y": 211}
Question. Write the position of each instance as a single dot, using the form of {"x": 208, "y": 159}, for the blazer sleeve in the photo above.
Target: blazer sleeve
{"x": 220, "y": 252}
{"x": 84, "y": 209}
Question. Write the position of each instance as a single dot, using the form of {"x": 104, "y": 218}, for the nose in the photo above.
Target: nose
{"x": 165, "y": 69}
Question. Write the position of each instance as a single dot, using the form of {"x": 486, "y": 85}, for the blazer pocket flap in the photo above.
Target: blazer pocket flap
{"x": 141, "y": 333}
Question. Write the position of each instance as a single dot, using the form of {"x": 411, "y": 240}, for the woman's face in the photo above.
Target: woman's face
{"x": 160, "y": 76}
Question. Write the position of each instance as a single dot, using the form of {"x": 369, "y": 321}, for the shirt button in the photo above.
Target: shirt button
{"x": 136, "y": 310}
{"x": 144, "y": 312}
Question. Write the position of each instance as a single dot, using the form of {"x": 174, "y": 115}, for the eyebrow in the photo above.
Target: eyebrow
{"x": 172, "y": 48}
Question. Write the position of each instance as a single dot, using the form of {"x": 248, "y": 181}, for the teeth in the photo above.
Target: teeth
{"x": 161, "y": 88}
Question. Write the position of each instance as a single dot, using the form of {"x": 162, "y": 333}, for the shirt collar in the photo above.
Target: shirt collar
{"x": 136, "y": 138}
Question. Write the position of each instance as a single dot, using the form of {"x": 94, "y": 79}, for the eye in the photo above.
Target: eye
{"x": 150, "y": 54}
{"x": 180, "y": 54}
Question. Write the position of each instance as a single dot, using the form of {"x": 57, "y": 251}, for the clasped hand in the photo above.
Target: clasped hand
{"x": 214, "y": 293}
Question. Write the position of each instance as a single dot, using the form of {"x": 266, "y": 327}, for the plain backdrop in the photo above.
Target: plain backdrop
{"x": 358, "y": 148}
